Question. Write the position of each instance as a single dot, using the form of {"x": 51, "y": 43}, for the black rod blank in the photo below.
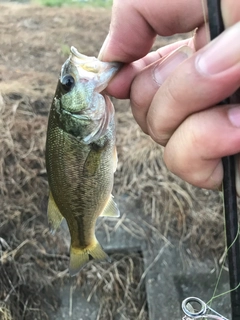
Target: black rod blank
{"x": 229, "y": 187}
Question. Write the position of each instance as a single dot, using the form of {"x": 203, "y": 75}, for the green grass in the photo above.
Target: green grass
{"x": 79, "y": 3}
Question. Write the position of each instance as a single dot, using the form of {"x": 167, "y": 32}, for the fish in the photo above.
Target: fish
{"x": 81, "y": 155}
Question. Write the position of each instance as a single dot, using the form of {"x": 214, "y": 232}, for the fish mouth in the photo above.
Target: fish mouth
{"x": 92, "y": 69}
{"x": 91, "y": 64}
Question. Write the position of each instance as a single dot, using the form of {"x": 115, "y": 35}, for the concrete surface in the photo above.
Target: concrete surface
{"x": 170, "y": 276}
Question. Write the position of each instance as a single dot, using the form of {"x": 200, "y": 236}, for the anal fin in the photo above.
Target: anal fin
{"x": 55, "y": 217}
{"x": 111, "y": 209}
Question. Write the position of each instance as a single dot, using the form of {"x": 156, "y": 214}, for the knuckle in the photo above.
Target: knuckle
{"x": 196, "y": 133}
{"x": 136, "y": 102}
{"x": 155, "y": 133}
{"x": 163, "y": 123}
{"x": 186, "y": 155}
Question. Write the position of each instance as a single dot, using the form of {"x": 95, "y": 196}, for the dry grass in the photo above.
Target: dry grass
{"x": 26, "y": 267}
{"x": 32, "y": 261}
{"x": 173, "y": 207}
{"x": 116, "y": 287}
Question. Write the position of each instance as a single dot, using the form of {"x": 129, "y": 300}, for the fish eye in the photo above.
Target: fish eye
{"x": 68, "y": 82}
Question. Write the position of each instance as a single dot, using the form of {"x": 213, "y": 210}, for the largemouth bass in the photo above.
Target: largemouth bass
{"x": 81, "y": 154}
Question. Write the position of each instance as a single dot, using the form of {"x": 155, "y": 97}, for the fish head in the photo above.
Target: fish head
{"x": 84, "y": 109}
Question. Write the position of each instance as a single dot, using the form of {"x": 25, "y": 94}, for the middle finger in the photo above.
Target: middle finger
{"x": 210, "y": 75}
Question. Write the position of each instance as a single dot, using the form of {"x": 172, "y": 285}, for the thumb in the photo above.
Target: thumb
{"x": 129, "y": 38}
{"x": 135, "y": 24}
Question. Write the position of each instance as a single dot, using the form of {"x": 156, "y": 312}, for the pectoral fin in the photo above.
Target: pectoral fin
{"x": 93, "y": 159}
{"x": 111, "y": 209}
{"x": 91, "y": 164}
{"x": 54, "y": 216}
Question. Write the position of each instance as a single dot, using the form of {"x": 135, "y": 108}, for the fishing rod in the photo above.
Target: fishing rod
{"x": 229, "y": 186}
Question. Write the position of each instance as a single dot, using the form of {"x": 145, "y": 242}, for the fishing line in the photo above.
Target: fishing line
{"x": 231, "y": 226}
{"x": 204, "y": 9}
{"x": 214, "y": 296}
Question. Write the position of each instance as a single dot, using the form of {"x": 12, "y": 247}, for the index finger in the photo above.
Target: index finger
{"x": 120, "y": 86}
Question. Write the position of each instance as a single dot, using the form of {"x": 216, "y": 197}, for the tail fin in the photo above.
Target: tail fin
{"x": 80, "y": 257}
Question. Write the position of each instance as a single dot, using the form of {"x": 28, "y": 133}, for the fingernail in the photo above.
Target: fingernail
{"x": 221, "y": 53}
{"x": 103, "y": 48}
{"x": 169, "y": 64}
{"x": 234, "y": 116}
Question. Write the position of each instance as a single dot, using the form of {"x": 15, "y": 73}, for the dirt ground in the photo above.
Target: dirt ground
{"x": 34, "y": 43}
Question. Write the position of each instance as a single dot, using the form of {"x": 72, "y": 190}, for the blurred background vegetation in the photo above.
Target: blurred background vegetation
{"x": 79, "y": 3}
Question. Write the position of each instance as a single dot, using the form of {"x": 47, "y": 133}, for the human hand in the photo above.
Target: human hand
{"x": 178, "y": 110}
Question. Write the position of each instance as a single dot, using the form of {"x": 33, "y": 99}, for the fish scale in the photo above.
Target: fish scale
{"x": 68, "y": 176}
{"x": 81, "y": 157}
